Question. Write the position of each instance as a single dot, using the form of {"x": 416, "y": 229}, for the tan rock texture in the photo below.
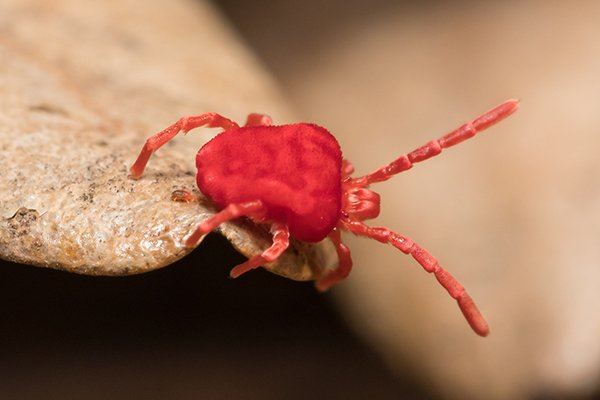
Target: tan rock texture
{"x": 82, "y": 84}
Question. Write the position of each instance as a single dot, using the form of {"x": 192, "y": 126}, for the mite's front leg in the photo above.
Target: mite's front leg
{"x": 431, "y": 265}
{"x": 434, "y": 147}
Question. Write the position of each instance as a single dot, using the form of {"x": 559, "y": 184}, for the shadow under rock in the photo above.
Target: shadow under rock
{"x": 185, "y": 331}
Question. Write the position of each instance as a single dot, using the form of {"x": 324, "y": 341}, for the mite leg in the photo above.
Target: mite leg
{"x": 347, "y": 168}
{"x": 185, "y": 124}
{"x": 258, "y": 120}
{"x": 345, "y": 263}
{"x": 281, "y": 241}
{"x": 430, "y": 264}
{"x": 435, "y": 147}
{"x": 253, "y": 209}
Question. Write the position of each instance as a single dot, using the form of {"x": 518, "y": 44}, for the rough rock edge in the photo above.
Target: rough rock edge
{"x": 70, "y": 124}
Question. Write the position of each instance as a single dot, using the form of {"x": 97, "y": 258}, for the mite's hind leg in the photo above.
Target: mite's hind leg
{"x": 344, "y": 266}
{"x": 281, "y": 241}
{"x": 253, "y": 209}
{"x": 258, "y": 120}
{"x": 185, "y": 124}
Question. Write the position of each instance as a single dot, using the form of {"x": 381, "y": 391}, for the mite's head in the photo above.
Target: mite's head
{"x": 360, "y": 203}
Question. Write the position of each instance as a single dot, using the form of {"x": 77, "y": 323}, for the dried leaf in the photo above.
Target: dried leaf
{"x": 81, "y": 87}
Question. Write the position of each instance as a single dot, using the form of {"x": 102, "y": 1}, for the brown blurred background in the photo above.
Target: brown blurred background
{"x": 515, "y": 214}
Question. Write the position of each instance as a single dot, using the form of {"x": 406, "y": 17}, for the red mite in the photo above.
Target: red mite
{"x": 294, "y": 178}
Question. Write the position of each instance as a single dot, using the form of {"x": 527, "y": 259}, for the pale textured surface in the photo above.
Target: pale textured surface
{"x": 514, "y": 213}
{"x": 81, "y": 87}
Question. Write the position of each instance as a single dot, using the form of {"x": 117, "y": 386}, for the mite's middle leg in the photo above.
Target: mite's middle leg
{"x": 344, "y": 266}
{"x": 254, "y": 209}
{"x": 281, "y": 241}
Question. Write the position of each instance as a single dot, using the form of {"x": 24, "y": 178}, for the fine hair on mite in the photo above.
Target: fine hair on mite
{"x": 294, "y": 178}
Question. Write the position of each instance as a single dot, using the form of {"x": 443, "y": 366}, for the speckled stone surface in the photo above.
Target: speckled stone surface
{"x": 81, "y": 87}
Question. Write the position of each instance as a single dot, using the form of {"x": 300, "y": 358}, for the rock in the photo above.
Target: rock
{"x": 82, "y": 85}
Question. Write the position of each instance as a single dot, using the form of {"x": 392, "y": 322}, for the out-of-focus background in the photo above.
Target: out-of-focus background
{"x": 514, "y": 214}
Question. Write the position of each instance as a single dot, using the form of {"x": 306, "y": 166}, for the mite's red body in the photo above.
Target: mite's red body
{"x": 295, "y": 170}
{"x": 294, "y": 178}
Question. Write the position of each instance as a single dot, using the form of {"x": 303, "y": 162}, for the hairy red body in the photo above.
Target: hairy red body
{"x": 294, "y": 178}
{"x": 295, "y": 170}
